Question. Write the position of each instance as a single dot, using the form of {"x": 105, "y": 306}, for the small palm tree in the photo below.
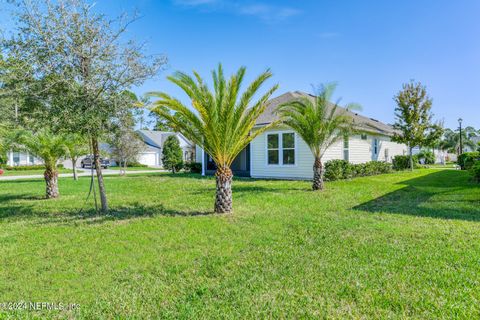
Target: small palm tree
{"x": 451, "y": 140}
{"x": 48, "y": 147}
{"x": 223, "y": 122}
{"x": 77, "y": 146}
{"x": 319, "y": 123}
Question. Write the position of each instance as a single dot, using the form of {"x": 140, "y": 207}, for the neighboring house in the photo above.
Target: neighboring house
{"x": 288, "y": 156}
{"x": 22, "y": 158}
{"x": 154, "y": 140}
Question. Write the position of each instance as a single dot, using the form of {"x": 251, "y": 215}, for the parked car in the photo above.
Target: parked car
{"x": 88, "y": 162}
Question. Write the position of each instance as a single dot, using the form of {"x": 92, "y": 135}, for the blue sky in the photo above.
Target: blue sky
{"x": 369, "y": 47}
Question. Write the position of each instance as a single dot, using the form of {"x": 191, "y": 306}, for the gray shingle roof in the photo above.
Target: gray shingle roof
{"x": 157, "y": 138}
{"x": 362, "y": 123}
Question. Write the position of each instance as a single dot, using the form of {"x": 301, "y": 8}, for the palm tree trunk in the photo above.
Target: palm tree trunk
{"x": 98, "y": 168}
{"x": 74, "y": 165}
{"x": 51, "y": 181}
{"x": 223, "y": 199}
{"x": 317, "y": 174}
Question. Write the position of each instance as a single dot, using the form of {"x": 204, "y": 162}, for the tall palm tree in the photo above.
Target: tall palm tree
{"x": 319, "y": 123}
{"x": 48, "y": 147}
{"x": 222, "y": 120}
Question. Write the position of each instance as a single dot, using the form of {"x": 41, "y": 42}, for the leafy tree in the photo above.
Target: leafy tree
{"x": 83, "y": 52}
{"x": 77, "y": 146}
{"x": 48, "y": 147}
{"x": 413, "y": 118}
{"x": 319, "y": 123}
{"x": 126, "y": 145}
{"x": 172, "y": 158}
{"x": 223, "y": 122}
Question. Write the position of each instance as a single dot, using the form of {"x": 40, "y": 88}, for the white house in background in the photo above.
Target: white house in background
{"x": 22, "y": 158}
{"x": 154, "y": 140}
{"x": 281, "y": 153}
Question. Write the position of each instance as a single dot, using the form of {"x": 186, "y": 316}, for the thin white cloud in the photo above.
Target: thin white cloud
{"x": 265, "y": 12}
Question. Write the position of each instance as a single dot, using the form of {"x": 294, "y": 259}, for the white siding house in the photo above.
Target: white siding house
{"x": 154, "y": 140}
{"x": 22, "y": 158}
{"x": 281, "y": 153}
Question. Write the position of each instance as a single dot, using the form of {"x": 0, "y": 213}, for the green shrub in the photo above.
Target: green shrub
{"x": 403, "y": 162}
{"x": 341, "y": 169}
{"x": 193, "y": 167}
{"x": 475, "y": 170}
{"x": 172, "y": 154}
{"x": 334, "y": 169}
{"x": 467, "y": 159}
{"x": 427, "y": 156}
{"x": 136, "y": 164}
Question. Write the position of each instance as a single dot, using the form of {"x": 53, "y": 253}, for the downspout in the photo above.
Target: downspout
{"x": 203, "y": 162}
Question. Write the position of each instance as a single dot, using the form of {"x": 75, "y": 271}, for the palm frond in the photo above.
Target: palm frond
{"x": 219, "y": 121}
{"x": 319, "y": 122}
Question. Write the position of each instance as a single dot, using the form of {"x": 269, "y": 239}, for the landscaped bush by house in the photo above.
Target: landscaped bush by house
{"x": 136, "y": 164}
{"x": 334, "y": 170}
{"x": 467, "y": 159}
{"x": 193, "y": 167}
{"x": 403, "y": 162}
{"x": 475, "y": 170}
{"x": 427, "y": 156}
{"x": 27, "y": 168}
{"x": 341, "y": 169}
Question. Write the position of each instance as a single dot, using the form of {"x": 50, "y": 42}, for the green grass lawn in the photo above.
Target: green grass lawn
{"x": 137, "y": 168}
{"x": 8, "y": 173}
{"x": 404, "y": 245}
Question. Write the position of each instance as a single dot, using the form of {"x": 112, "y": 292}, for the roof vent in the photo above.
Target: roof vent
{"x": 374, "y": 120}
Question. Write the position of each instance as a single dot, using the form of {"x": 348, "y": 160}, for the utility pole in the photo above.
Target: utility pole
{"x": 461, "y": 142}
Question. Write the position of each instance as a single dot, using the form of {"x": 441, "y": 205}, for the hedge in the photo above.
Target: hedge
{"x": 467, "y": 159}
{"x": 341, "y": 169}
{"x": 193, "y": 167}
{"x": 475, "y": 170}
{"x": 403, "y": 162}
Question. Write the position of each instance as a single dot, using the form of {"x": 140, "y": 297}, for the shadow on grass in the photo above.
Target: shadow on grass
{"x": 87, "y": 215}
{"x": 447, "y": 194}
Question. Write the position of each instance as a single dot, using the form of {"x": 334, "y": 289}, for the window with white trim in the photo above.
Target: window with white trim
{"x": 288, "y": 148}
{"x": 16, "y": 158}
{"x": 281, "y": 148}
{"x": 375, "y": 147}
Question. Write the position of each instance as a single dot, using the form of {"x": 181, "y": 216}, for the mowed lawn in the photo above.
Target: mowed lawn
{"x": 8, "y": 173}
{"x": 392, "y": 246}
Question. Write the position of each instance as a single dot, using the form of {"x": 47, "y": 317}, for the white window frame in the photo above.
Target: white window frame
{"x": 280, "y": 148}
{"x": 18, "y": 163}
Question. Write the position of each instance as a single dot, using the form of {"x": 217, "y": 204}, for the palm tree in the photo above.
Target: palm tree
{"x": 223, "y": 122}
{"x": 319, "y": 123}
{"x": 451, "y": 140}
{"x": 77, "y": 146}
{"x": 48, "y": 147}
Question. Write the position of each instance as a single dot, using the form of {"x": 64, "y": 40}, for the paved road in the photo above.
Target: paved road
{"x": 86, "y": 172}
